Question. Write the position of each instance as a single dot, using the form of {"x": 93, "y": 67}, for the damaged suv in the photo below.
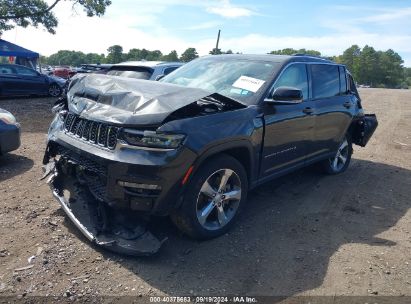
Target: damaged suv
{"x": 190, "y": 146}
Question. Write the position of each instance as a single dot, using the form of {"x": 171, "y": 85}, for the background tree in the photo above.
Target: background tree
{"x": 172, "y": 56}
{"x": 153, "y": 55}
{"x": 115, "y": 54}
{"x": 189, "y": 54}
{"x": 94, "y": 58}
{"x": 368, "y": 66}
{"x": 351, "y": 58}
{"x": 38, "y": 12}
{"x": 391, "y": 70}
{"x": 291, "y": 51}
{"x": 368, "y": 71}
{"x": 143, "y": 54}
{"x": 407, "y": 76}
{"x": 134, "y": 55}
{"x": 375, "y": 68}
{"x": 215, "y": 51}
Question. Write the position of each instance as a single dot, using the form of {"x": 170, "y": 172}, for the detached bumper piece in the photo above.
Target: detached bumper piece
{"x": 115, "y": 230}
{"x": 365, "y": 129}
{"x": 9, "y": 138}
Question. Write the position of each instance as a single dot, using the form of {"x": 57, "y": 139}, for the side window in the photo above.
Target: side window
{"x": 169, "y": 70}
{"x": 325, "y": 80}
{"x": 294, "y": 76}
{"x": 25, "y": 72}
{"x": 6, "y": 70}
{"x": 343, "y": 81}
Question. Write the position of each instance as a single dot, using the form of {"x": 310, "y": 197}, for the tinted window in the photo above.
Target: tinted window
{"x": 294, "y": 76}
{"x": 169, "y": 70}
{"x": 343, "y": 81}
{"x": 6, "y": 70}
{"x": 25, "y": 72}
{"x": 131, "y": 72}
{"x": 326, "y": 80}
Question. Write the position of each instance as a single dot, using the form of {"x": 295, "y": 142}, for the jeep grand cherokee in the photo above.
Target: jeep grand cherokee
{"x": 191, "y": 146}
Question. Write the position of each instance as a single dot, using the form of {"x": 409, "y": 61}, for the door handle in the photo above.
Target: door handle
{"x": 308, "y": 110}
{"x": 347, "y": 104}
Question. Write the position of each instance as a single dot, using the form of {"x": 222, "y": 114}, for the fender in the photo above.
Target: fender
{"x": 223, "y": 146}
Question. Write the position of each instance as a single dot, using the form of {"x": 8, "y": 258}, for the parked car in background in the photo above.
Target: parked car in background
{"x": 64, "y": 72}
{"x": 18, "y": 80}
{"x": 45, "y": 69}
{"x": 149, "y": 70}
{"x": 9, "y": 132}
{"x": 93, "y": 68}
{"x": 192, "y": 144}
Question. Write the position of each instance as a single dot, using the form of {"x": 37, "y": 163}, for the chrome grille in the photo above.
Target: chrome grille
{"x": 94, "y": 132}
{"x": 102, "y": 135}
{"x": 91, "y": 131}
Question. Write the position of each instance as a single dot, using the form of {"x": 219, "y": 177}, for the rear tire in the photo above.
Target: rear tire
{"x": 340, "y": 162}
{"x": 54, "y": 90}
{"x": 214, "y": 198}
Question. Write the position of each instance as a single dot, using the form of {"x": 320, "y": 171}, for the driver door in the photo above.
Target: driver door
{"x": 288, "y": 127}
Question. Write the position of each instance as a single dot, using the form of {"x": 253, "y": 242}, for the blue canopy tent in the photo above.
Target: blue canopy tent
{"x": 22, "y": 55}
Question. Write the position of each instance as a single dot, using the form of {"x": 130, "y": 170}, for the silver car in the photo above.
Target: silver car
{"x": 148, "y": 70}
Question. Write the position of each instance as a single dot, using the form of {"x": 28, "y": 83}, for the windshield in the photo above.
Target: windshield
{"x": 236, "y": 78}
{"x": 134, "y": 72}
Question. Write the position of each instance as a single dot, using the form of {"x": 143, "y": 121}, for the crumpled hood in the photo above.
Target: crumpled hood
{"x": 127, "y": 101}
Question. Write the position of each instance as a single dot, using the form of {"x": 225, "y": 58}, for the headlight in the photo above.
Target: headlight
{"x": 7, "y": 117}
{"x": 152, "y": 139}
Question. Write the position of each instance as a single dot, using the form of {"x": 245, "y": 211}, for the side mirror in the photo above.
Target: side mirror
{"x": 286, "y": 95}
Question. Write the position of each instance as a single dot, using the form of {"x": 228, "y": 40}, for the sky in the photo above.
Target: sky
{"x": 257, "y": 26}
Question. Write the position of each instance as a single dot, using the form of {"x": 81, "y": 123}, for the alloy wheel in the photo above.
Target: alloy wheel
{"x": 219, "y": 199}
{"x": 54, "y": 90}
{"x": 340, "y": 159}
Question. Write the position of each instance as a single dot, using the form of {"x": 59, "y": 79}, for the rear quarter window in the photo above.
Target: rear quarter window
{"x": 325, "y": 80}
{"x": 131, "y": 72}
{"x": 169, "y": 70}
{"x": 343, "y": 81}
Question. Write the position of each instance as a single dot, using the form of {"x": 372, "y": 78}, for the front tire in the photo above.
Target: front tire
{"x": 340, "y": 162}
{"x": 214, "y": 198}
{"x": 54, "y": 90}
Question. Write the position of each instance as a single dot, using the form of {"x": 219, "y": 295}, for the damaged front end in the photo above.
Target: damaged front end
{"x": 117, "y": 231}
{"x": 117, "y": 154}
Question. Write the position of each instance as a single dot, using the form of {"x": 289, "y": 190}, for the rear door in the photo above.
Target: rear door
{"x": 333, "y": 106}
{"x": 288, "y": 127}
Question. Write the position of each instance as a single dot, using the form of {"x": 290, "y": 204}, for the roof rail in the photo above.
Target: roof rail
{"x": 313, "y": 56}
{"x": 309, "y": 55}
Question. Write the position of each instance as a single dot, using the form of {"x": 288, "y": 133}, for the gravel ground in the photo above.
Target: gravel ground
{"x": 302, "y": 234}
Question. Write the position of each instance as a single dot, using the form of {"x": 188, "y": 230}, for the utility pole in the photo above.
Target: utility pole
{"x": 218, "y": 41}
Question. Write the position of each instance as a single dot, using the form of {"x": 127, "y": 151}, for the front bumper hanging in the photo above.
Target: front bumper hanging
{"x": 104, "y": 226}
